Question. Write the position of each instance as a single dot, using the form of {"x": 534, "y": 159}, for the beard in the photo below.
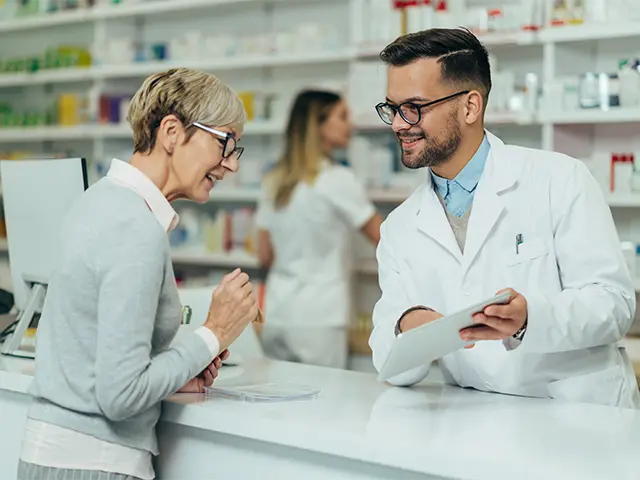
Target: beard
{"x": 436, "y": 152}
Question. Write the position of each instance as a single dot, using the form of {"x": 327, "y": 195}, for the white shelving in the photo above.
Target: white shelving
{"x": 57, "y": 133}
{"x": 589, "y": 32}
{"x": 60, "y": 75}
{"x": 94, "y": 132}
{"x": 243, "y": 260}
{"x": 143, "y": 69}
{"x": 372, "y": 122}
{"x": 145, "y": 9}
{"x": 276, "y": 127}
{"x": 391, "y": 195}
{"x": 208, "y": 259}
{"x": 231, "y": 194}
{"x": 592, "y": 116}
{"x": 624, "y": 201}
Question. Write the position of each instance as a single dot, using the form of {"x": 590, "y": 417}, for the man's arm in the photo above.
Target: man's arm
{"x": 597, "y": 303}
{"x": 393, "y": 303}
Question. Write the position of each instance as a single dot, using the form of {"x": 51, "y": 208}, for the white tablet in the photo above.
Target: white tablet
{"x": 433, "y": 340}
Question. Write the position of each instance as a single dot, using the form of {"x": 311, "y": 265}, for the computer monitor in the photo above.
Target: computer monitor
{"x": 37, "y": 196}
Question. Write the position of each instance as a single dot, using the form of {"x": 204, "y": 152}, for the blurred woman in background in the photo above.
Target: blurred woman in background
{"x": 308, "y": 209}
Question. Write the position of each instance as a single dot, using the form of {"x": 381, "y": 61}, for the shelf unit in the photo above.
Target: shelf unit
{"x": 190, "y": 258}
{"x": 107, "y": 131}
{"x": 547, "y": 45}
{"x": 143, "y": 69}
{"x": 147, "y": 9}
{"x": 276, "y": 127}
{"x": 207, "y": 259}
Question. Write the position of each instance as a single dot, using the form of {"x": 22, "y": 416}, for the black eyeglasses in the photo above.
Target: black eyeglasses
{"x": 409, "y": 111}
{"x": 228, "y": 141}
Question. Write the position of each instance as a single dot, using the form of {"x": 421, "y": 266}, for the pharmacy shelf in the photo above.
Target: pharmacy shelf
{"x": 515, "y": 38}
{"x": 125, "y": 10}
{"x": 249, "y": 195}
{"x": 510, "y": 118}
{"x": 233, "y": 194}
{"x": 96, "y": 132}
{"x": 592, "y": 116}
{"x": 590, "y": 32}
{"x": 276, "y": 127}
{"x": 367, "y": 267}
{"x": 624, "y": 201}
{"x": 388, "y": 195}
{"x": 243, "y": 260}
{"x": 60, "y": 75}
{"x": 221, "y": 260}
{"x": 55, "y": 133}
{"x": 373, "y": 123}
{"x": 143, "y": 69}
{"x": 372, "y": 51}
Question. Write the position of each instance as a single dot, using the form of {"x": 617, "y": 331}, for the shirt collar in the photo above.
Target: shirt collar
{"x": 469, "y": 176}
{"x": 130, "y": 177}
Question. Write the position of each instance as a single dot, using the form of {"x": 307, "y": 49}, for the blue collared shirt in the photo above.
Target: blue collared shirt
{"x": 458, "y": 193}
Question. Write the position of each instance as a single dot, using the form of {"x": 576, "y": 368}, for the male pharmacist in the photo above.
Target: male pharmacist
{"x": 491, "y": 217}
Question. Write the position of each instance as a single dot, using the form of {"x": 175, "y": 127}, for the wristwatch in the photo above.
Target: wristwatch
{"x": 397, "y": 329}
{"x": 519, "y": 335}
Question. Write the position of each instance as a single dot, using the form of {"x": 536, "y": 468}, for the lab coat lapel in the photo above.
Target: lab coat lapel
{"x": 432, "y": 221}
{"x": 488, "y": 204}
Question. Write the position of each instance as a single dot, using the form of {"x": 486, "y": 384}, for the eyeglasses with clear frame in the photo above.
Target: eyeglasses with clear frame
{"x": 228, "y": 141}
{"x": 409, "y": 111}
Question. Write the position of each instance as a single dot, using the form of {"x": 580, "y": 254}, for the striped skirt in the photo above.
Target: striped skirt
{"x": 29, "y": 471}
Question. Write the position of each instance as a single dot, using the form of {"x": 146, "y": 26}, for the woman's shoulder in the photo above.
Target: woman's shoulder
{"x": 114, "y": 209}
{"x": 333, "y": 172}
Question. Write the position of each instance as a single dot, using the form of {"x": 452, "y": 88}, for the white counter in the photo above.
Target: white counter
{"x": 358, "y": 429}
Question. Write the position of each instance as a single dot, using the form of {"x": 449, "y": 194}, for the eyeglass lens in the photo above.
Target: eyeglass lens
{"x": 229, "y": 146}
{"x": 409, "y": 112}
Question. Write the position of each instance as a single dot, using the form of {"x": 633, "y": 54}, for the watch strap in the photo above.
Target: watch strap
{"x": 519, "y": 335}
{"x": 398, "y": 330}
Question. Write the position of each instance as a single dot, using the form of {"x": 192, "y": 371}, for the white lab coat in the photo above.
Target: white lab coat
{"x": 581, "y": 299}
{"x": 308, "y": 296}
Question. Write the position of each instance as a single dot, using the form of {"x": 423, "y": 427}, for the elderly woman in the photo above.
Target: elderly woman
{"x": 106, "y": 350}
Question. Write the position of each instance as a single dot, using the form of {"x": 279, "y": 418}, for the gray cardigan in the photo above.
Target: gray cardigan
{"x": 103, "y": 356}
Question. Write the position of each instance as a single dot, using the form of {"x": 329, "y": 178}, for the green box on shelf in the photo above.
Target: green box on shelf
{"x": 26, "y": 8}
{"x": 31, "y": 119}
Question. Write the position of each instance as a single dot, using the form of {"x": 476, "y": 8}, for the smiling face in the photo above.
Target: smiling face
{"x": 436, "y": 138}
{"x": 198, "y": 165}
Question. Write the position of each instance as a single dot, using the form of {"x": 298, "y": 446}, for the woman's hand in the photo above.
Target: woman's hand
{"x": 206, "y": 377}
{"x": 233, "y": 307}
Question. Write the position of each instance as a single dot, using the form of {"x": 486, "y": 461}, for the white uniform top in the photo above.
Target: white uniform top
{"x": 539, "y": 225}
{"x": 309, "y": 281}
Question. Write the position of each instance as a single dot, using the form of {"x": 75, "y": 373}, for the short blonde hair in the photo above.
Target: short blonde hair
{"x": 190, "y": 95}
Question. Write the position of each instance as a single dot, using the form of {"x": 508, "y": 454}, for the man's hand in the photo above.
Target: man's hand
{"x": 420, "y": 317}
{"x": 206, "y": 377}
{"x": 416, "y": 318}
{"x": 498, "y": 322}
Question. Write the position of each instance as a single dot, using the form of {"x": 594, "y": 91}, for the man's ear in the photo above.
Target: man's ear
{"x": 473, "y": 107}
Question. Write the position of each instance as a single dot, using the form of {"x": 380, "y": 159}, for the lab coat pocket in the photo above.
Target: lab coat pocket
{"x": 528, "y": 250}
{"x": 605, "y": 387}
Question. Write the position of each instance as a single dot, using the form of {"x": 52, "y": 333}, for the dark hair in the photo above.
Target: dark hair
{"x": 302, "y": 144}
{"x": 462, "y": 58}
